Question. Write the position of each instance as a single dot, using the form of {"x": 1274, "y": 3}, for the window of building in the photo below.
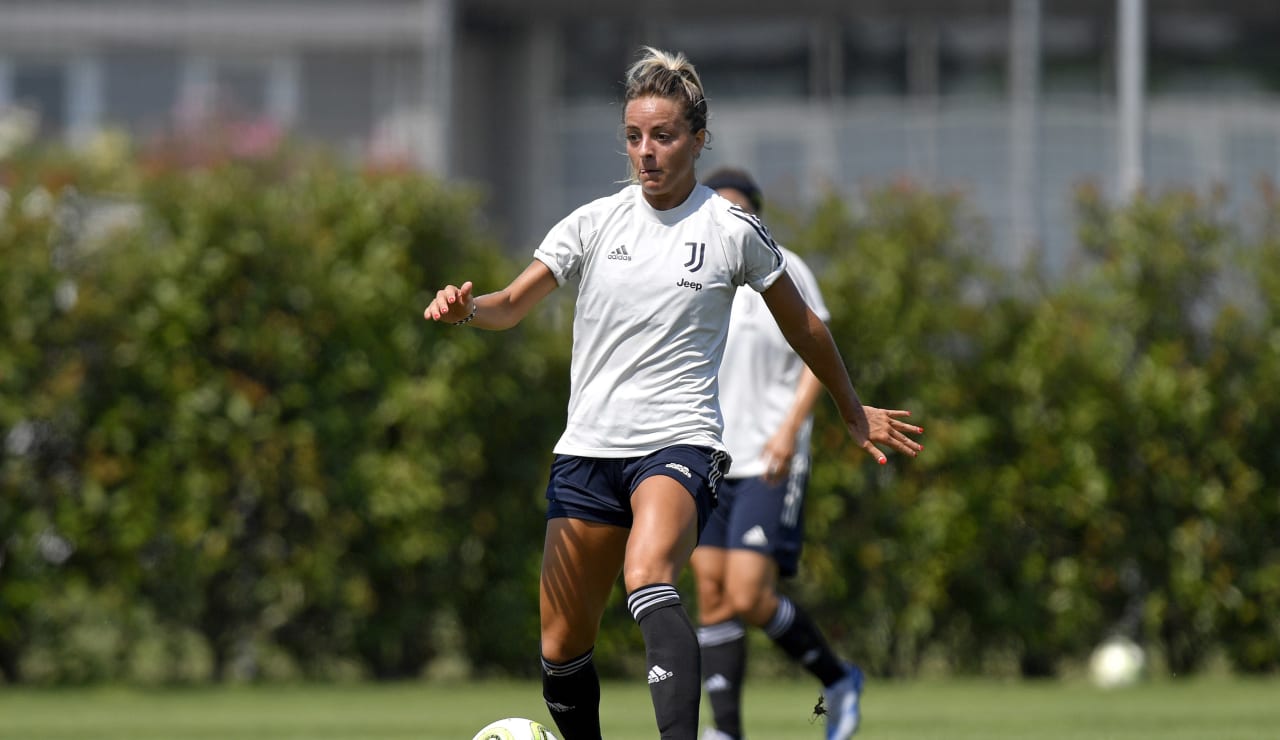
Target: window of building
{"x": 875, "y": 61}
{"x": 141, "y": 89}
{"x": 240, "y": 88}
{"x": 1186, "y": 55}
{"x": 748, "y": 58}
{"x": 595, "y": 57}
{"x": 337, "y": 96}
{"x": 1074, "y": 50}
{"x": 974, "y": 58}
{"x": 42, "y": 87}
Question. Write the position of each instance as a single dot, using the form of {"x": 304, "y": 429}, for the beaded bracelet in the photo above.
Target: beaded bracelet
{"x": 470, "y": 316}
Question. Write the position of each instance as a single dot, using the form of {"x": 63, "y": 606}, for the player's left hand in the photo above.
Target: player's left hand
{"x": 887, "y": 427}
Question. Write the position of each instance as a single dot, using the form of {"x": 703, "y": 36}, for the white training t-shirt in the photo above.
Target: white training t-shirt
{"x": 654, "y": 293}
{"x": 759, "y": 375}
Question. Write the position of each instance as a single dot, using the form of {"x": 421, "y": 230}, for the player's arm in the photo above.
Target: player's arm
{"x": 810, "y": 338}
{"x": 807, "y": 391}
{"x": 885, "y": 425}
{"x": 499, "y": 310}
{"x": 780, "y": 447}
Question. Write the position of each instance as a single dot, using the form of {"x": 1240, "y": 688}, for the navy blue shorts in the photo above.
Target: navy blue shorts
{"x": 755, "y": 515}
{"x": 599, "y": 489}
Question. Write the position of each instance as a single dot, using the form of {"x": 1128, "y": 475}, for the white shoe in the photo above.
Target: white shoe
{"x": 843, "y": 712}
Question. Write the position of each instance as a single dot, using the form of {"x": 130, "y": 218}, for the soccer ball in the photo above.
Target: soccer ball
{"x": 1117, "y": 662}
{"x": 514, "y": 728}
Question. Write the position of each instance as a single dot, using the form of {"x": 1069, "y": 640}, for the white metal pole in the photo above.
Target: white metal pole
{"x": 84, "y": 97}
{"x": 284, "y": 88}
{"x": 1024, "y": 124}
{"x": 1131, "y": 83}
{"x": 439, "y": 99}
{"x": 197, "y": 78}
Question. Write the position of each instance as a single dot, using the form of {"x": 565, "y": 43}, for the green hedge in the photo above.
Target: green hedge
{"x": 233, "y": 450}
{"x": 258, "y": 455}
{"x": 1099, "y": 451}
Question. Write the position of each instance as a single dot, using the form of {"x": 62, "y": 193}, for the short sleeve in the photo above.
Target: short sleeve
{"x": 562, "y": 249}
{"x": 763, "y": 259}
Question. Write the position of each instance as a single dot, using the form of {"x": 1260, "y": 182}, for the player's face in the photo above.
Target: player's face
{"x": 662, "y": 149}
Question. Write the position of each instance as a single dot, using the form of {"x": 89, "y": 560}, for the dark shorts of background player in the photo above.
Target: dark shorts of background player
{"x": 598, "y": 489}
{"x": 778, "y": 511}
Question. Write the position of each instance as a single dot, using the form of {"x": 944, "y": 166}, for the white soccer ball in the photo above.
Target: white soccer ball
{"x": 1117, "y": 662}
{"x": 514, "y": 728}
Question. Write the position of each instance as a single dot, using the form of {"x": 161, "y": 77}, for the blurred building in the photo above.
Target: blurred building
{"x": 1013, "y": 101}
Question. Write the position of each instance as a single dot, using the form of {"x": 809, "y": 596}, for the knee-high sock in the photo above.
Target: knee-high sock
{"x": 671, "y": 651}
{"x": 724, "y": 663}
{"x": 793, "y": 631}
{"x": 572, "y": 693}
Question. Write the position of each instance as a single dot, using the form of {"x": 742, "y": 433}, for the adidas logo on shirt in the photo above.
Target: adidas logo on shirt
{"x": 658, "y": 673}
{"x": 718, "y": 683}
{"x": 755, "y": 536}
{"x": 620, "y": 254}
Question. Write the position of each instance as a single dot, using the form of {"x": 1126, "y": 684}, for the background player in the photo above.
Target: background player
{"x": 755, "y": 533}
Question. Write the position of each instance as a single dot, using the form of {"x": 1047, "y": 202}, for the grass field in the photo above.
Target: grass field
{"x": 1216, "y": 709}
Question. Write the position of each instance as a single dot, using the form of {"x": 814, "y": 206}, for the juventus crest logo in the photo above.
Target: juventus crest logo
{"x": 696, "y": 253}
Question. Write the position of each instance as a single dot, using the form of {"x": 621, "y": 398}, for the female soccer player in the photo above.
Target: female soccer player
{"x": 756, "y": 532}
{"x": 634, "y": 474}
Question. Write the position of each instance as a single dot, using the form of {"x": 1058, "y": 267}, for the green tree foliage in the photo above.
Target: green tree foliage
{"x": 252, "y": 430}
{"x": 1244, "y": 562}
{"x": 1093, "y": 461}
{"x": 37, "y": 387}
{"x": 902, "y": 552}
{"x": 233, "y": 449}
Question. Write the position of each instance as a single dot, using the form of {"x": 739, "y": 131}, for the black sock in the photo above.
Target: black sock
{"x": 572, "y": 693}
{"x": 793, "y": 631}
{"x": 724, "y": 662}
{"x": 671, "y": 651}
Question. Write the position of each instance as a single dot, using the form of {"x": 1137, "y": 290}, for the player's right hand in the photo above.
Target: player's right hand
{"x": 451, "y": 304}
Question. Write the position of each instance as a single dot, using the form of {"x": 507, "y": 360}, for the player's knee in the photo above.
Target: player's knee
{"x": 753, "y": 606}
{"x": 714, "y": 610}
{"x": 560, "y": 645}
{"x": 640, "y": 575}
{"x": 710, "y": 593}
{"x": 564, "y": 637}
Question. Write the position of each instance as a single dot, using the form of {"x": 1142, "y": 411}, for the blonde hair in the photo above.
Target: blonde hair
{"x": 666, "y": 75}
{"x": 671, "y": 76}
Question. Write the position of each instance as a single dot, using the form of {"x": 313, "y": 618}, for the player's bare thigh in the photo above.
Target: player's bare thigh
{"x": 663, "y": 533}
{"x": 580, "y": 565}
